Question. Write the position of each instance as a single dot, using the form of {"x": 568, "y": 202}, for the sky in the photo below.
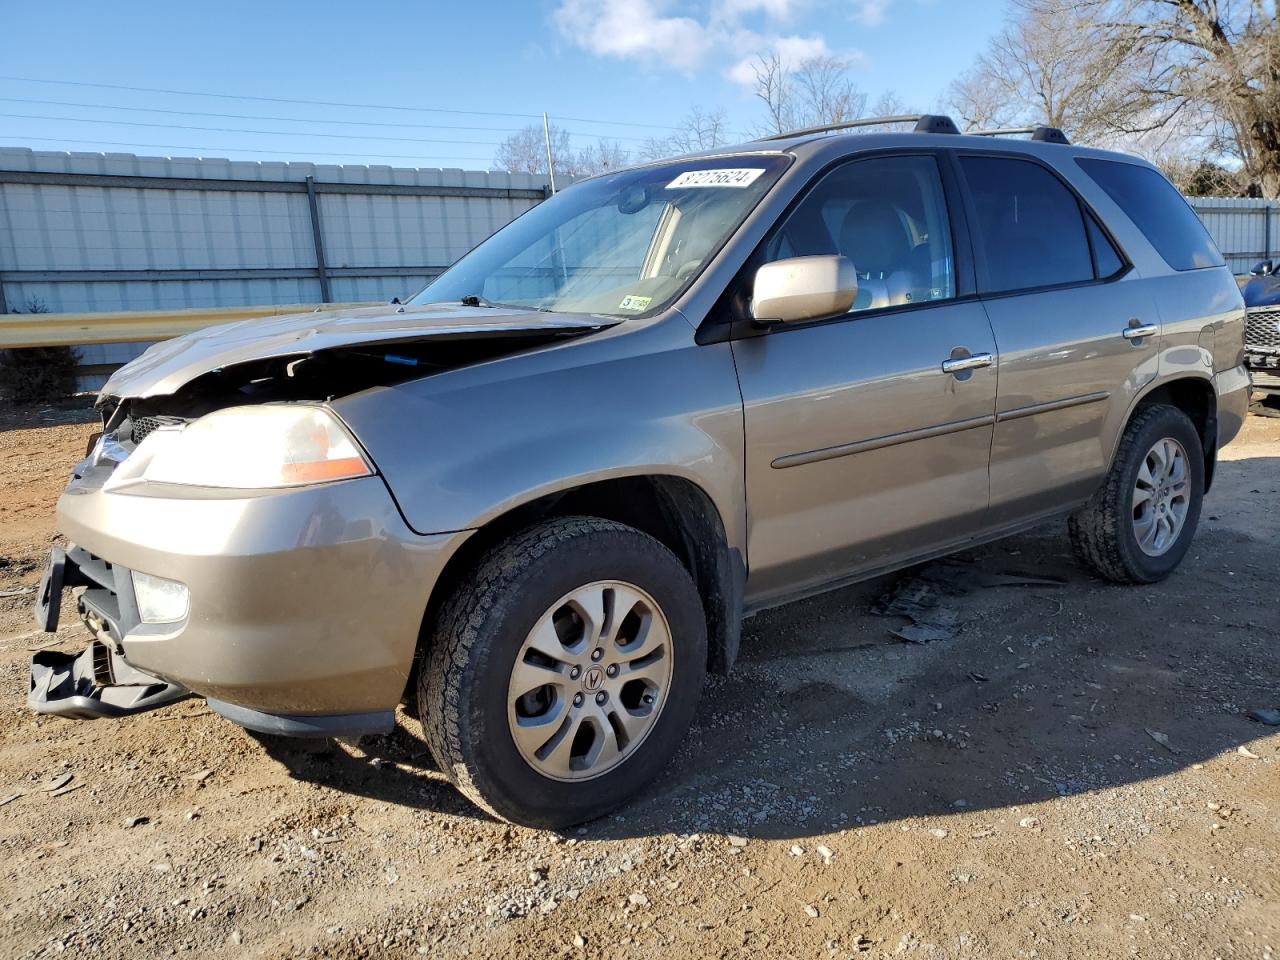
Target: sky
{"x": 437, "y": 83}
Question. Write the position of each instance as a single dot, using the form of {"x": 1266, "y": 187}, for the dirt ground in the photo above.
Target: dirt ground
{"x": 1074, "y": 775}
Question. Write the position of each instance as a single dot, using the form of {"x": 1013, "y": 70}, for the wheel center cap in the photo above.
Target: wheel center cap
{"x": 593, "y": 679}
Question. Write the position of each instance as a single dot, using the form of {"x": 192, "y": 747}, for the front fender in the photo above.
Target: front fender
{"x": 460, "y": 448}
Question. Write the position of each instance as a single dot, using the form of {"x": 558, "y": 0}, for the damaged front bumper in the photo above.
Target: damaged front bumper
{"x": 96, "y": 682}
{"x": 305, "y": 605}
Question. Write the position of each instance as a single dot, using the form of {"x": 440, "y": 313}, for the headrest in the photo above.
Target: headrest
{"x": 874, "y": 237}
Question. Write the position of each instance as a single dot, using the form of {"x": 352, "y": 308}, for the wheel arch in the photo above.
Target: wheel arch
{"x": 673, "y": 510}
{"x": 1194, "y": 396}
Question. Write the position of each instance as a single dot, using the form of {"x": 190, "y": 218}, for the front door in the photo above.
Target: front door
{"x": 862, "y": 450}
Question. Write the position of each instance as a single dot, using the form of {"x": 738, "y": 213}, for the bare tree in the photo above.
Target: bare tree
{"x": 699, "y": 130}
{"x": 1216, "y": 60}
{"x": 1186, "y": 82}
{"x": 889, "y": 104}
{"x": 1052, "y": 64}
{"x": 602, "y": 156}
{"x": 773, "y": 88}
{"x": 824, "y": 92}
{"x": 1201, "y": 178}
{"x": 525, "y": 151}
{"x": 815, "y": 91}
{"x": 979, "y": 101}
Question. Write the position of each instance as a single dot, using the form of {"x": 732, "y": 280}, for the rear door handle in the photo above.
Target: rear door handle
{"x": 1140, "y": 331}
{"x": 971, "y": 362}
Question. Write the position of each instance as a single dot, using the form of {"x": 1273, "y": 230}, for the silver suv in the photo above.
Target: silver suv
{"x": 540, "y": 498}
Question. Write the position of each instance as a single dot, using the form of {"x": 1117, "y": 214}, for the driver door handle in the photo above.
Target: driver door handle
{"x": 971, "y": 362}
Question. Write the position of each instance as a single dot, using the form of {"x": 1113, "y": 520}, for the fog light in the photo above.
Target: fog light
{"x": 160, "y": 600}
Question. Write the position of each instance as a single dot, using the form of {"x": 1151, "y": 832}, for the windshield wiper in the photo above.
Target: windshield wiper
{"x": 473, "y": 300}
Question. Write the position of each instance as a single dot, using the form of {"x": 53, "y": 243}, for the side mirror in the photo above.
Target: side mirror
{"x": 804, "y": 288}
{"x": 1263, "y": 268}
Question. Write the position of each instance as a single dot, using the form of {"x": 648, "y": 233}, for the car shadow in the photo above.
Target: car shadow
{"x": 395, "y": 768}
{"x": 71, "y": 410}
{"x": 1053, "y": 685}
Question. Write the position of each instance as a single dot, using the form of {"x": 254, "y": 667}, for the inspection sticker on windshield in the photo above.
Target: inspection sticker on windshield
{"x": 716, "y": 178}
{"x": 635, "y": 303}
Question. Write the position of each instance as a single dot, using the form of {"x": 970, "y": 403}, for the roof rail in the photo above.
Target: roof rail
{"x": 924, "y": 123}
{"x": 1040, "y": 134}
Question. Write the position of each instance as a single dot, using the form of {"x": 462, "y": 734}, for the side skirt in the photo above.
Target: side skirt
{"x": 846, "y": 580}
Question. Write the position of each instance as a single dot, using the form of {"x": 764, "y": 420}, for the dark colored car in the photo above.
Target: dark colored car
{"x": 1262, "y": 332}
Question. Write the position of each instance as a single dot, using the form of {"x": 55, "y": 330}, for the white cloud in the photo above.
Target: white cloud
{"x": 777, "y": 9}
{"x": 654, "y": 31}
{"x": 634, "y": 29}
{"x": 871, "y": 12}
{"x": 743, "y": 72}
{"x": 793, "y": 51}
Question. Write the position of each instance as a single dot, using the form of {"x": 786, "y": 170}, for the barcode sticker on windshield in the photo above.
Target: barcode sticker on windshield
{"x": 716, "y": 178}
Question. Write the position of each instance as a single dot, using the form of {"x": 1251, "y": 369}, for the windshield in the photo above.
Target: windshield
{"x": 625, "y": 244}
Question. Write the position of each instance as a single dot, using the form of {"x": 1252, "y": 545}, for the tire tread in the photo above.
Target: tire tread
{"x": 460, "y": 626}
{"x": 1094, "y": 529}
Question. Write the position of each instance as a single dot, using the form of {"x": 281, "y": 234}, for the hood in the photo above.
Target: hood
{"x": 167, "y": 366}
{"x": 1262, "y": 291}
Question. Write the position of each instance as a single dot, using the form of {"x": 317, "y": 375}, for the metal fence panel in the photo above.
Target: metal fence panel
{"x": 88, "y": 232}
{"x": 1243, "y": 228}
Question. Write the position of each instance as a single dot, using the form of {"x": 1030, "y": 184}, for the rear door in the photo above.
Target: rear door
{"x": 1077, "y": 331}
{"x": 861, "y": 448}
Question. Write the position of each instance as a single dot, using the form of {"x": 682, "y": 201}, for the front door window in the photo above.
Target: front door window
{"x": 886, "y": 215}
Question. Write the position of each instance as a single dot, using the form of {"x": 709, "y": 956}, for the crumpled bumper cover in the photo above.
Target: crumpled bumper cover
{"x": 305, "y": 604}
{"x": 95, "y": 683}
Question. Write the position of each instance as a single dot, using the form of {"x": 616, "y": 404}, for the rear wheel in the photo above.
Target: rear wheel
{"x": 1140, "y": 523}
{"x": 565, "y": 672}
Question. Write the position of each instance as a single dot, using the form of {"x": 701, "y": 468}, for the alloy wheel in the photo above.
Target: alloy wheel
{"x": 1161, "y": 497}
{"x": 590, "y": 681}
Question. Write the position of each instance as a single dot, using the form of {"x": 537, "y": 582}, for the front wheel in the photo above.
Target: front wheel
{"x": 563, "y": 674}
{"x": 1140, "y": 523}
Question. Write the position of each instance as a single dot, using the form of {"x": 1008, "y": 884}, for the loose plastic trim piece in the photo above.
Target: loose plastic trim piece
{"x": 337, "y": 725}
{"x": 72, "y": 685}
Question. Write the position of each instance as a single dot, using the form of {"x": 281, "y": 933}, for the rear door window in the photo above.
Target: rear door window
{"x": 1028, "y": 226}
{"x": 1107, "y": 261}
{"x": 1158, "y": 210}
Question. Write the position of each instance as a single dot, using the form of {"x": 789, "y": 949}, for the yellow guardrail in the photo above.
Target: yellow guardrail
{"x": 78, "y": 329}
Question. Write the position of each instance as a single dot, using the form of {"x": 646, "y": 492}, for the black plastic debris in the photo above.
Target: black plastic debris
{"x": 1269, "y": 716}
{"x": 919, "y": 597}
{"x": 919, "y": 600}
{"x": 95, "y": 683}
{"x": 925, "y": 632}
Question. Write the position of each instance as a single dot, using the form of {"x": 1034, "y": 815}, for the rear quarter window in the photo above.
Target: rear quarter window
{"x": 1158, "y": 210}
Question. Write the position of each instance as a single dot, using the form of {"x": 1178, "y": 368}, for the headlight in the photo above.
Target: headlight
{"x": 273, "y": 445}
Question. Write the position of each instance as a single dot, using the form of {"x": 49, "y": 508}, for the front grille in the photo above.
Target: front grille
{"x": 109, "y": 597}
{"x": 1262, "y": 331}
{"x": 145, "y": 425}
